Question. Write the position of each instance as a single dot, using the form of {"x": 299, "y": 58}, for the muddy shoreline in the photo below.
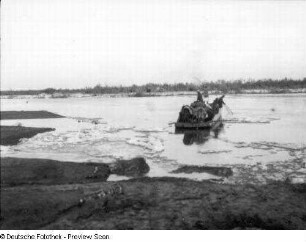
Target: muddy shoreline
{"x": 150, "y": 203}
{"x": 11, "y": 135}
{"x": 49, "y": 194}
{"x": 28, "y": 115}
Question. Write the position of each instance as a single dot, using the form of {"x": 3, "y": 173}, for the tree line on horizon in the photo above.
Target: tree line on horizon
{"x": 222, "y": 86}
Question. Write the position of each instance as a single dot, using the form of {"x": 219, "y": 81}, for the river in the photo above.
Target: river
{"x": 264, "y": 139}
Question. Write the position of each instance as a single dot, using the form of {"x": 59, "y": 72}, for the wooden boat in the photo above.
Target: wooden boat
{"x": 200, "y": 115}
{"x": 214, "y": 123}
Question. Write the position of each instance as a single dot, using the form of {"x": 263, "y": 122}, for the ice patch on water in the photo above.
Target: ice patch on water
{"x": 150, "y": 130}
{"x": 194, "y": 176}
{"x": 89, "y": 120}
{"x": 118, "y": 149}
{"x": 156, "y": 144}
{"x": 112, "y": 129}
{"x": 250, "y": 120}
{"x": 150, "y": 143}
{"x": 4, "y": 149}
{"x": 270, "y": 146}
{"x": 214, "y": 152}
{"x": 114, "y": 177}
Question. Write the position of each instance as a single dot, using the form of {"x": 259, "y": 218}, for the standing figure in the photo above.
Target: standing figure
{"x": 206, "y": 95}
{"x": 200, "y": 98}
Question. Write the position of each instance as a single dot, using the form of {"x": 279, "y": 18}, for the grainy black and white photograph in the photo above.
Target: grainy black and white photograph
{"x": 153, "y": 115}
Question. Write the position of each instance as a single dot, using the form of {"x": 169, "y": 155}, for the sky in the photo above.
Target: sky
{"x": 78, "y": 43}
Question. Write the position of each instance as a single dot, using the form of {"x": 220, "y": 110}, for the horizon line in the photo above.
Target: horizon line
{"x": 196, "y": 83}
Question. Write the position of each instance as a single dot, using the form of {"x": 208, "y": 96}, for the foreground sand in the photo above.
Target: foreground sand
{"x": 48, "y": 194}
{"x": 145, "y": 203}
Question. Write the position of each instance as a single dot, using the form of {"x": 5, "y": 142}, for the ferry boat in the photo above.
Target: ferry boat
{"x": 201, "y": 115}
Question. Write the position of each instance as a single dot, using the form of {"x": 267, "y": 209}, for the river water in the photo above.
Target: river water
{"x": 264, "y": 139}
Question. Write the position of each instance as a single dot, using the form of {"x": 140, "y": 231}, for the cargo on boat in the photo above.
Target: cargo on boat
{"x": 201, "y": 115}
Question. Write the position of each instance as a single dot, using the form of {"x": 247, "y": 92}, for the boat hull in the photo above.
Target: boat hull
{"x": 212, "y": 124}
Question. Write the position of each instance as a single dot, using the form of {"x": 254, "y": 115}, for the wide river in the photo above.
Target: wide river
{"x": 264, "y": 139}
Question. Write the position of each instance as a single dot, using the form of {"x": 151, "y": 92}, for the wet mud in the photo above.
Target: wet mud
{"x": 28, "y": 115}
{"x": 154, "y": 203}
{"x": 17, "y": 172}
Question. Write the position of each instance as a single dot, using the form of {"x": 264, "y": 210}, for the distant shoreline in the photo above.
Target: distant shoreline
{"x": 264, "y": 86}
{"x": 63, "y": 95}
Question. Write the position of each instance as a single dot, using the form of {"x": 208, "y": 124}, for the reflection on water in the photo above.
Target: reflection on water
{"x": 199, "y": 136}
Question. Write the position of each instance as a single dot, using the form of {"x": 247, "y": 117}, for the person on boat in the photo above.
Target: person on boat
{"x": 200, "y": 97}
{"x": 201, "y": 108}
{"x": 206, "y": 95}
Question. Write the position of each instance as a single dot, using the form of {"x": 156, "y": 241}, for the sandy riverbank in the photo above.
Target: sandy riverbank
{"x": 11, "y": 135}
{"x": 28, "y": 115}
{"x": 146, "y": 203}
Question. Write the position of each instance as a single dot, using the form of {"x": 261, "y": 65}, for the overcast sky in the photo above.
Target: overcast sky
{"x": 78, "y": 43}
